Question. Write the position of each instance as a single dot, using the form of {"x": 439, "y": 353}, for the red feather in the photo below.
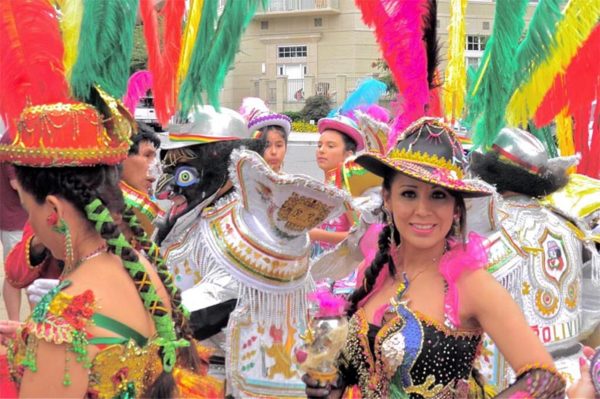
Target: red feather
{"x": 399, "y": 31}
{"x": 577, "y": 86}
{"x": 163, "y": 55}
{"x": 31, "y": 50}
{"x": 594, "y": 166}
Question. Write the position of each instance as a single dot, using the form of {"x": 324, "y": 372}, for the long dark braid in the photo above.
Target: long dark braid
{"x": 189, "y": 355}
{"x": 98, "y": 214}
{"x": 381, "y": 259}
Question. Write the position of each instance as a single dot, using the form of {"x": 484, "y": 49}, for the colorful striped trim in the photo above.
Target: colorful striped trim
{"x": 505, "y": 155}
{"x": 197, "y": 138}
{"x": 140, "y": 201}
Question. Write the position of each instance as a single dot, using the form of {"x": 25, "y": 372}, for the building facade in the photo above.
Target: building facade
{"x": 297, "y": 48}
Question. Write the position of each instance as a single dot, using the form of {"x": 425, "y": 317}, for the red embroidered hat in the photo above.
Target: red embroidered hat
{"x": 428, "y": 150}
{"x": 49, "y": 127}
{"x": 70, "y": 134}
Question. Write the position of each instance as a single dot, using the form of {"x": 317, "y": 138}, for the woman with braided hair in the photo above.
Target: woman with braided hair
{"x": 107, "y": 330}
{"x": 420, "y": 308}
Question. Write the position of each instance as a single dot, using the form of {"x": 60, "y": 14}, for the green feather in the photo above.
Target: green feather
{"x": 105, "y": 46}
{"x": 192, "y": 86}
{"x": 545, "y": 136}
{"x": 491, "y": 88}
{"x": 539, "y": 40}
{"x": 214, "y": 51}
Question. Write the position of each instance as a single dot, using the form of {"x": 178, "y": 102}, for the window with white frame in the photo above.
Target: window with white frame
{"x": 476, "y": 42}
{"x": 475, "y": 46}
{"x": 292, "y": 51}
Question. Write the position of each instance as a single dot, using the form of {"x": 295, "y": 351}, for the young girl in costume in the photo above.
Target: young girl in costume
{"x": 422, "y": 305}
{"x": 340, "y": 139}
{"x": 272, "y": 128}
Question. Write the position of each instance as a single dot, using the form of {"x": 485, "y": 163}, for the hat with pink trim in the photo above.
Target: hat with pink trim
{"x": 345, "y": 125}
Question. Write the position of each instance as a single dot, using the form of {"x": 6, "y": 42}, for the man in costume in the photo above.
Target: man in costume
{"x": 240, "y": 250}
{"x": 534, "y": 252}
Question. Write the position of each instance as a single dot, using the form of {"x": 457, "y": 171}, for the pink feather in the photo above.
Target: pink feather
{"x": 329, "y": 304}
{"x": 375, "y": 111}
{"x": 459, "y": 259}
{"x": 137, "y": 86}
{"x": 399, "y": 30}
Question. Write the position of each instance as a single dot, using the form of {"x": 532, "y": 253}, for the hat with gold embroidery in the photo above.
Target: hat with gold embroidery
{"x": 428, "y": 150}
{"x": 49, "y": 127}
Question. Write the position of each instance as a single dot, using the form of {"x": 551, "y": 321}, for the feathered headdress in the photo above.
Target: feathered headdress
{"x": 401, "y": 28}
{"x": 163, "y": 54}
{"x": 137, "y": 86}
{"x": 343, "y": 118}
{"x": 491, "y": 89}
{"x": 50, "y": 128}
{"x": 104, "y": 48}
{"x": 217, "y": 42}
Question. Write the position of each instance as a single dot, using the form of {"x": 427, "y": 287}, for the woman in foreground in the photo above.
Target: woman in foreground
{"x": 418, "y": 315}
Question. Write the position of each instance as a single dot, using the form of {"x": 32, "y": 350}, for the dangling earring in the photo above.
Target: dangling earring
{"x": 61, "y": 227}
{"x": 456, "y": 226}
{"x": 392, "y": 240}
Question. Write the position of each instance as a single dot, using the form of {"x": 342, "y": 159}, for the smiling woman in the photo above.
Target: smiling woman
{"x": 427, "y": 284}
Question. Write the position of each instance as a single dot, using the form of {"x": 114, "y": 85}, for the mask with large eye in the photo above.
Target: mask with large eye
{"x": 186, "y": 176}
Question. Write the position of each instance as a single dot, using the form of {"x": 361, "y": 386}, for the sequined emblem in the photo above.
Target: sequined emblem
{"x": 300, "y": 213}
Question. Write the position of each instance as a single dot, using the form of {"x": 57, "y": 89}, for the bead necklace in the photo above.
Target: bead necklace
{"x": 68, "y": 269}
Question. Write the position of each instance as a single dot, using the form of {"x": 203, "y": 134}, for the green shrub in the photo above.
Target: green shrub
{"x": 293, "y": 115}
{"x": 315, "y": 108}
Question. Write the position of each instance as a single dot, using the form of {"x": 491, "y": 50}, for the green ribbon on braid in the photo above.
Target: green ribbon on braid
{"x": 167, "y": 339}
{"x": 153, "y": 252}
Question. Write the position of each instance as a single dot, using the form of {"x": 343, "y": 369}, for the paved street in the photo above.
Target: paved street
{"x": 300, "y": 157}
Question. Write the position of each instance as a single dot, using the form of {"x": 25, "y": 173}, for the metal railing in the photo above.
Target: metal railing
{"x": 295, "y": 88}
{"x": 301, "y": 5}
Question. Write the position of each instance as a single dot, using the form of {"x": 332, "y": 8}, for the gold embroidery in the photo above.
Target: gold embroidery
{"x": 545, "y": 302}
{"x": 424, "y": 158}
{"x": 118, "y": 366}
{"x": 301, "y": 213}
{"x": 427, "y": 389}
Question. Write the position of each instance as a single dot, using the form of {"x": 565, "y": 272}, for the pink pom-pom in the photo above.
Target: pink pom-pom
{"x": 329, "y": 304}
{"x": 253, "y": 107}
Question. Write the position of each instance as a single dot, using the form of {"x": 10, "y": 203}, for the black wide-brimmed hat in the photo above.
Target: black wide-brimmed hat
{"x": 429, "y": 151}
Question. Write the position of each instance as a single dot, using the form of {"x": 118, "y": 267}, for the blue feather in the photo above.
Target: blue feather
{"x": 367, "y": 93}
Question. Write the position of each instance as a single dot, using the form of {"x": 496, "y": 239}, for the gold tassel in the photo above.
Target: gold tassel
{"x": 580, "y": 17}
{"x": 189, "y": 38}
{"x": 455, "y": 80}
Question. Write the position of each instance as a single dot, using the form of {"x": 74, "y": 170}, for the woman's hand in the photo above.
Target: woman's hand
{"x": 8, "y": 328}
{"x": 317, "y": 390}
{"x": 584, "y": 387}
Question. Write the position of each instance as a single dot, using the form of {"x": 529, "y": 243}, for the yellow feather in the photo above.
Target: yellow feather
{"x": 70, "y": 25}
{"x": 564, "y": 135}
{"x": 580, "y": 17}
{"x": 189, "y": 38}
{"x": 456, "y": 73}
